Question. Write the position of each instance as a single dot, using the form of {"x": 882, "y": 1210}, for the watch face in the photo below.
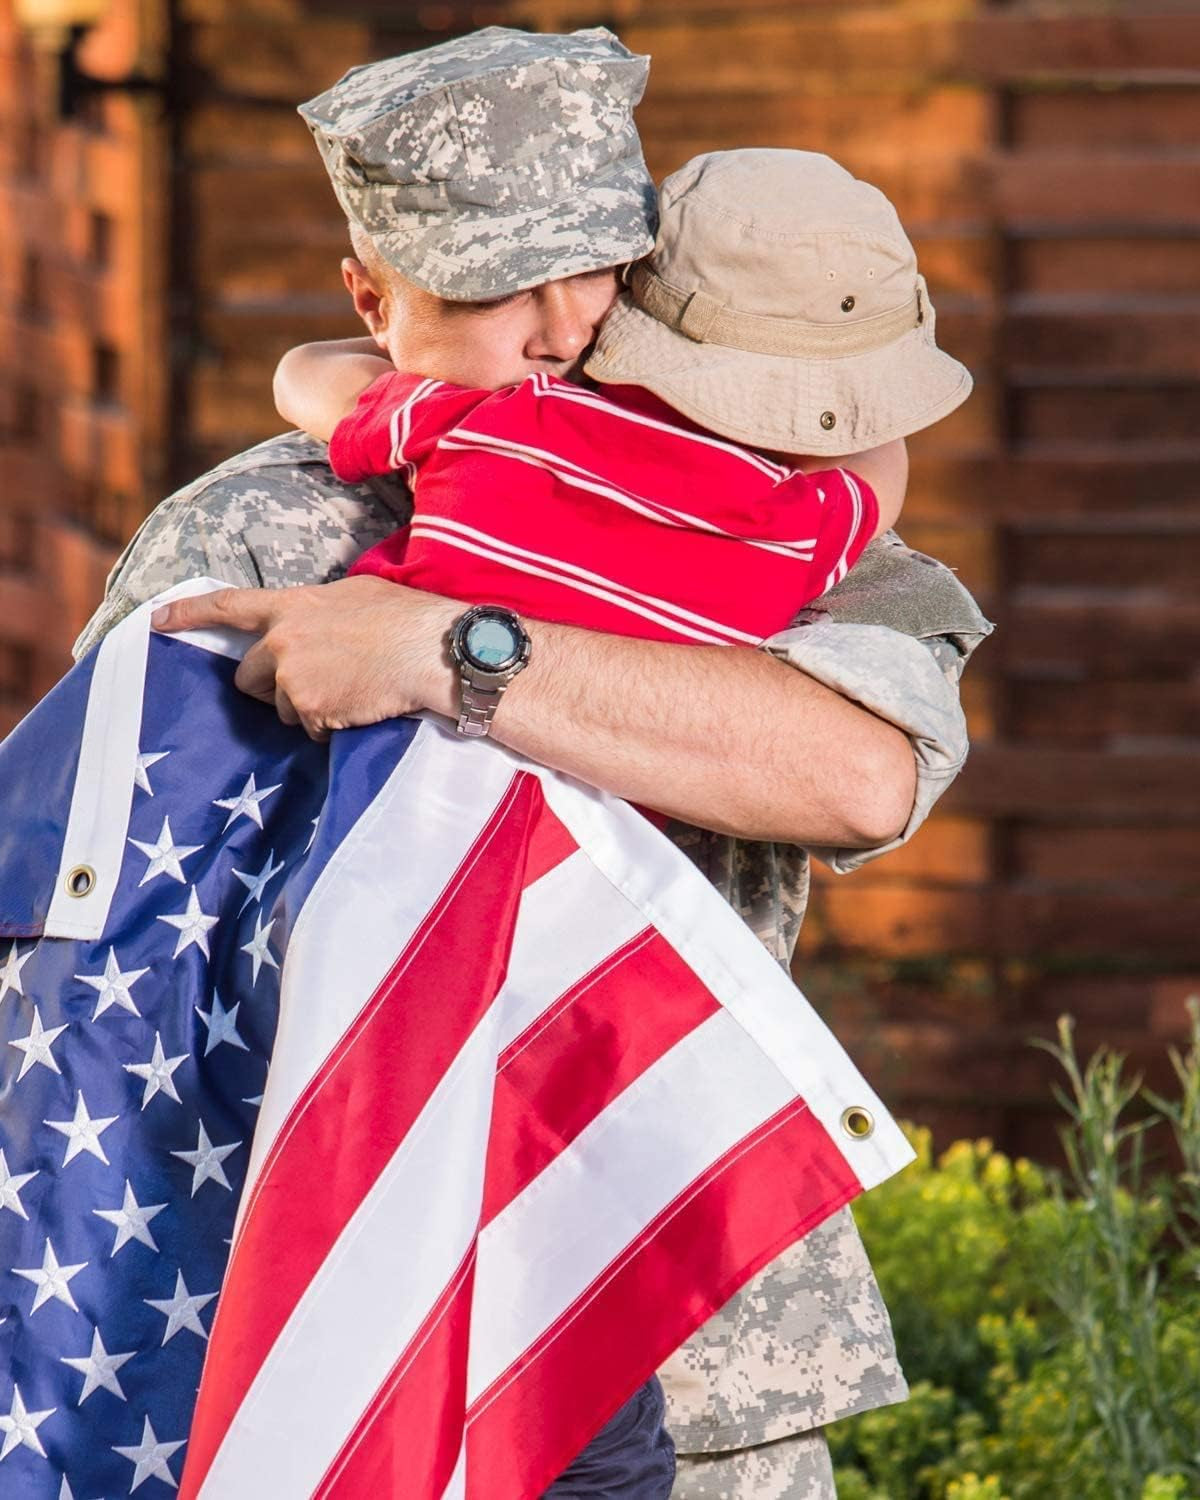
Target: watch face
{"x": 490, "y": 643}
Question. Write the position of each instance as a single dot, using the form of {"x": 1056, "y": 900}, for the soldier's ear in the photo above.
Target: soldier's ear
{"x": 368, "y": 296}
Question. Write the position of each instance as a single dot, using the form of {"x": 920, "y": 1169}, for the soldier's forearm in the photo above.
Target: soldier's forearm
{"x": 721, "y": 737}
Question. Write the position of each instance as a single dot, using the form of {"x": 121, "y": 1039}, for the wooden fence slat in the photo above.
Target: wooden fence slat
{"x": 1117, "y": 191}
{"x": 1138, "y": 264}
{"x": 1079, "y": 786}
{"x": 1160, "y": 856}
{"x": 1037, "y": 43}
{"x": 1103, "y": 337}
{"x": 1095, "y": 713}
{"x": 1112, "y": 634}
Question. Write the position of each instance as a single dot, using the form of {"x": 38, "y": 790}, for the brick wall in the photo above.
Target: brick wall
{"x": 84, "y": 380}
{"x": 173, "y": 232}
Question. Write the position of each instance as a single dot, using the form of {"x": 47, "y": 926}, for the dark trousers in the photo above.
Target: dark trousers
{"x": 632, "y": 1458}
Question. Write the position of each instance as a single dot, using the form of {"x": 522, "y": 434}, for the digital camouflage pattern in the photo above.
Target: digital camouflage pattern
{"x": 797, "y": 1467}
{"x": 493, "y": 162}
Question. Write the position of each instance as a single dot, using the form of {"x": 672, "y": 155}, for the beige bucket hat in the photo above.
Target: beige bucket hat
{"x": 782, "y": 308}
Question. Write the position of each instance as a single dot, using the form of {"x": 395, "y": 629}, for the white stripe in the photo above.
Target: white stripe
{"x": 726, "y": 956}
{"x": 548, "y": 1247}
{"x": 400, "y": 429}
{"x": 842, "y": 566}
{"x": 462, "y": 438}
{"x": 583, "y": 397}
{"x": 575, "y": 898}
{"x": 372, "y": 1292}
{"x": 617, "y": 600}
{"x": 366, "y": 906}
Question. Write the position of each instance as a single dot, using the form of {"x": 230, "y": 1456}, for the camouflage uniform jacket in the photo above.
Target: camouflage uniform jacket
{"x": 809, "y": 1339}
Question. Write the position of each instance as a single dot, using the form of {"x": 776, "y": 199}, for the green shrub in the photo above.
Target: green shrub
{"x": 1049, "y": 1322}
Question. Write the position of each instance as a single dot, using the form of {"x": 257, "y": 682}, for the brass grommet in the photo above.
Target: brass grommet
{"x": 847, "y": 304}
{"x": 857, "y": 1122}
{"x": 828, "y": 421}
{"x": 81, "y": 881}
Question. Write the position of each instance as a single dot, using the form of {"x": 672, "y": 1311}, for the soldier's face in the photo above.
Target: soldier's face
{"x": 484, "y": 344}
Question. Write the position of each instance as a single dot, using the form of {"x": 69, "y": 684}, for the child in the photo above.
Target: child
{"x": 622, "y": 511}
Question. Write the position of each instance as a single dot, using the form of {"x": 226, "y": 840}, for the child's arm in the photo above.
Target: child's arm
{"x": 886, "y": 470}
{"x": 316, "y": 385}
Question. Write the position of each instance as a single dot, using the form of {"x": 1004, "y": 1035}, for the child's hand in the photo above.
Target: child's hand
{"x": 316, "y": 385}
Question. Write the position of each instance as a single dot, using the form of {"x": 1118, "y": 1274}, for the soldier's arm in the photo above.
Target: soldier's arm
{"x": 873, "y": 691}
{"x": 726, "y": 739}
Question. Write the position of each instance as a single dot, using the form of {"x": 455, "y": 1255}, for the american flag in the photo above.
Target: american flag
{"x": 374, "y": 1118}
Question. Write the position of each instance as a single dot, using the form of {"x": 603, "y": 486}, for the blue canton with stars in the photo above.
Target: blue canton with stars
{"x": 131, "y": 1068}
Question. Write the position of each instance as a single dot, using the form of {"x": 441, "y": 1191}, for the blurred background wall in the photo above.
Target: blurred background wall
{"x": 166, "y": 231}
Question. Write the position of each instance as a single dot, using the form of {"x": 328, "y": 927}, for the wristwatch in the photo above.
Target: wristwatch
{"x": 489, "y": 646}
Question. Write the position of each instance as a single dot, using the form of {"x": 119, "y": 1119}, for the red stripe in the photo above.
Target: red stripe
{"x": 532, "y": 1422}
{"x": 576, "y": 1058}
{"x": 549, "y": 845}
{"x": 371, "y": 1088}
{"x": 407, "y": 1441}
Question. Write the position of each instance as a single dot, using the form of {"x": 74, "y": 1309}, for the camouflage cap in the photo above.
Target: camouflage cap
{"x": 494, "y": 162}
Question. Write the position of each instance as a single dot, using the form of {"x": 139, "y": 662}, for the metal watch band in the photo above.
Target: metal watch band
{"x": 478, "y": 705}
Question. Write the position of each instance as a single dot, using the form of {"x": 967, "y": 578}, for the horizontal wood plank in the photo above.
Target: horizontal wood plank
{"x": 1053, "y": 785}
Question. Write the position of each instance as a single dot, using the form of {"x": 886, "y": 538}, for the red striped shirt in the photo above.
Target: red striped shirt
{"x": 608, "y": 511}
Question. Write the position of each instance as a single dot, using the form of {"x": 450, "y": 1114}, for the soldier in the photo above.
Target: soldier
{"x": 495, "y": 188}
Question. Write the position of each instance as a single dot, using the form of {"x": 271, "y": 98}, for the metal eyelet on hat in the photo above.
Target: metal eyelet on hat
{"x": 81, "y": 881}
{"x": 847, "y": 304}
{"x": 828, "y": 421}
{"x": 858, "y": 1122}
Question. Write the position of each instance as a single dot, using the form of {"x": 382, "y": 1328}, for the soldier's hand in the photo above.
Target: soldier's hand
{"x": 334, "y": 655}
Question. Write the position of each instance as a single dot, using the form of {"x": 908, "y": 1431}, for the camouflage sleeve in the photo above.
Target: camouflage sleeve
{"x": 895, "y": 637}
{"x": 167, "y": 548}
{"x": 273, "y": 516}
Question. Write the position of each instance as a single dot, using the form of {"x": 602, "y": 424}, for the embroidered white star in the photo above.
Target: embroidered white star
{"x": 51, "y": 1279}
{"x": 149, "y": 1458}
{"x": 313, "y": 835}
{"x": 10, "y": 974}
{"x": 10, "y": 1187}
{"x": 83, "y": 1133}
{"x": 206, "y": 1160}
{"x": 144, "y": 762}
{"x": 99, "y": 1368}
{"x": 256, "y": 884}
{"x": 246, "y": 803}
{"x": 113, "y": 986}
{"x": 193, "y": 926}
{"x": 257, "y": 946}
{"x": 132, "y": 1221}
{"x": 165, "y": 856}
{"x": 20, "y": 1426}
{"x": 182, "y": 1310}
{"x": 36, "y": 1046}
{"x": 157, "y": 1073}
{"x": 221, "y": 1024}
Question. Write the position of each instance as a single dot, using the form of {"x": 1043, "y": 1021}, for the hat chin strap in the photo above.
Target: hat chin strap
{"x": 704, "y": 320}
